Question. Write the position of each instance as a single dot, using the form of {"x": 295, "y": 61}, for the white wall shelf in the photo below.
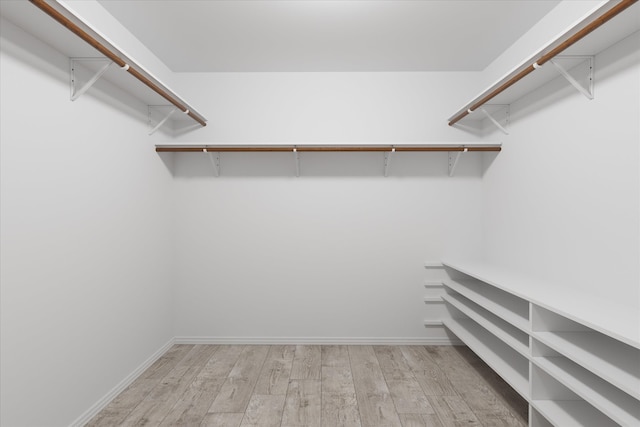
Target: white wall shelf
{"x": 455, "y": 151}
{"x": 590, "y": 311}
{"x": 53, "y": 23}
{"x": 571, "y": 413}
{"x": 613, "y": 361}
{"x": 494, "y": 352}
{"x": 310, "y": 148}
{"x": 573, "y": 48}
{"x": 512, "y": 336}
{"x": 621, "y": 407}
{"x": 579, "y": 371}
{"x": 508, "y": 307}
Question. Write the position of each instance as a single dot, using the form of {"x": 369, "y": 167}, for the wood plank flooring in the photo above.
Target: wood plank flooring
{"x": 316, "y": 386}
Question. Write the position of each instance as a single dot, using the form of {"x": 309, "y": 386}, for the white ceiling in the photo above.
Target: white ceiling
{"x": 328, "y": 35}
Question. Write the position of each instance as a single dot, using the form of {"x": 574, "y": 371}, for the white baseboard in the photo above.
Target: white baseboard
{"x": 319, "y": 340}
{"x": 107, "y": 398}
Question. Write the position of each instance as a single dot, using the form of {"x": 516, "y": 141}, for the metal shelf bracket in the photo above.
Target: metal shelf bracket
{"x": 215, "y": 161}
{"x": 73, "y": 63}
{"x": 453, "y": 160}
{"x": 588, "y": 92}
{"x": 497, "y": 124}
{"x": 150, "y": 108}
{"x": 387, "y": 161}
{"x": 296, "y": 159}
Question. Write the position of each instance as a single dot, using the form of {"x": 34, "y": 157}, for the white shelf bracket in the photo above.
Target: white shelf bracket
{"x": 215, "y": 161}
{"x": 73, "y": 62}
{"x": 387, "y": 161}
{"x": 590, "y": 61}
{"x": 296, "y": 159}
{"x": 161, "y": 122}
{"x": 453, "y": 160}
{"x": 494, "y": 121}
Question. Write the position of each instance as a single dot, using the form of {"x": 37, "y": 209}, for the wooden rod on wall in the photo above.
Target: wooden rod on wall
{"x": 624, "y": 4}
{"x": 71, "y": 26}
{"x": 319, "y": 148}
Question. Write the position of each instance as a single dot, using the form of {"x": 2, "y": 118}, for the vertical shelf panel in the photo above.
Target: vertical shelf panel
{"x": 560, "y": 406}
{"x": 611, "y": 401}
{"x": 610, "y": 359}
{"x": 572, "y": 372}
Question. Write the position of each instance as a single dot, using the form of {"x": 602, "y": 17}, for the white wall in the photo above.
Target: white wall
{"x": 337, "y": 253}
{"x": 327, "y": 107}
{"x": 85, "y": 239}
{"x": 103, "y": 23}
{"x": 562, "y": 17}
{"x": 561, "y": 200}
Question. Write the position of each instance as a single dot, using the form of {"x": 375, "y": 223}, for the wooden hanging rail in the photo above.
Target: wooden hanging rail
{"x": 100, "y": 47}
{"x": 564, "y": 44}
{"x": 322, "y": 148}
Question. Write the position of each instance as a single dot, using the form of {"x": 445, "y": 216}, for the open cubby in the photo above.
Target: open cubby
{"x": 573, "y": 369}
{"x": 618, "y": 405}
{"x": 511, "y": 335}
{"x": 499, "y": 356}
{"x": 615, "y": 362}
{"x": 561, "y": 406}
{"x": 504, "y": 305}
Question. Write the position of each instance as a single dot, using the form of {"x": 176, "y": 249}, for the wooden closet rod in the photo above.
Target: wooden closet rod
{"x": 546, "y": 57}
{"x": 71, "y": 26}
{"x": 319, "y": 148}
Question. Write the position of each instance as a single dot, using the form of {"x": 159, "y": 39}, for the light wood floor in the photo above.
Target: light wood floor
{"x": 368, "y": 386}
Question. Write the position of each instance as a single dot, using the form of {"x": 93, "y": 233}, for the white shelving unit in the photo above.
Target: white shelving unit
{"x": 454, "y": 150}
{"x": 574, "y": 60}
{"x": 499, "y": 356}
{"x": 513, "y": 337}
{"x": 510, "y": 308}
{"x": 572, "y": 370}
{"x": 87, "y": 65}
{"x": 597, "y": 392}
{"x": 613, "y": 361}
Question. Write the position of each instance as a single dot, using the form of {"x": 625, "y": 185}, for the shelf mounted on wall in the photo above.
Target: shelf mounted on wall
{"x": 110, "y": 55}
{"x": 454, "y": 151}
{"x": 505, "y": 91}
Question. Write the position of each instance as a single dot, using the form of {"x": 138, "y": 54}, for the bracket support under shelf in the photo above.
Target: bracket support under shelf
{"x": 73, "y": 63}
{"x": 167, "y": 116}
{"x": 215, "y": 161}
{"x": 387, "y": 161}
{"x": 588, "y": 92}
{"x": 454, "y": 157}
{"x": 296, "y": 159}
{"x": 503, "y": 129}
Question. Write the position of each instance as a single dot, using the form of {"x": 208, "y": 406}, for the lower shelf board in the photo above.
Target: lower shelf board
{"x": 615, "y": 362}
{"x": 510, "y": 365}
{"x": 510, "y": 308}
{"x": 511, "y": 336}
{"x": 615, "y": 403}
{"x": 566, "y": 413}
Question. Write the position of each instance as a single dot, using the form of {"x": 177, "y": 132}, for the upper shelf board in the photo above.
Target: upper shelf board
{"x": 195, "y": 147}
{"x": 37, "y": 23}
{"x": 587, "y": 310}
{"x": 603, "y": 37}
